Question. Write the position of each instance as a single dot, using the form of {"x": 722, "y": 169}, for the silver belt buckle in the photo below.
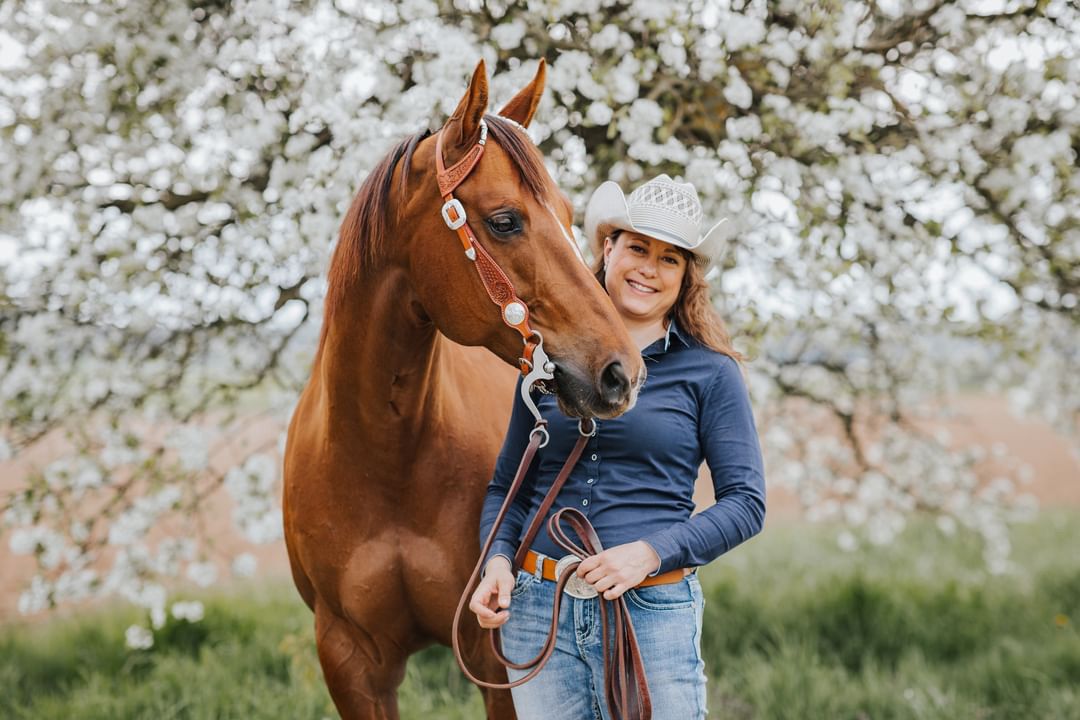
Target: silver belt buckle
{"x": 575, "y": 586}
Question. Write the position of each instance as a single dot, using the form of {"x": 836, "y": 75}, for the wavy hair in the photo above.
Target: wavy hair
{"x": 693, "y": 309}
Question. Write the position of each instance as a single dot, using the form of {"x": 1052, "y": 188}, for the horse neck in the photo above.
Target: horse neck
{"x": 378, "y": 362}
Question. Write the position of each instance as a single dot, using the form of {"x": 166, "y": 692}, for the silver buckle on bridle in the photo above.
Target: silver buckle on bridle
{"x": 575, "y": 586}
{"x": 458, "y": 208}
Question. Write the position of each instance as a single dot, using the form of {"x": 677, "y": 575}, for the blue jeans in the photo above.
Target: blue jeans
{"x": 667, "y": 621}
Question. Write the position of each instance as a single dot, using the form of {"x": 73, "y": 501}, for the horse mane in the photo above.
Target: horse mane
{"x": 363, "y": 236}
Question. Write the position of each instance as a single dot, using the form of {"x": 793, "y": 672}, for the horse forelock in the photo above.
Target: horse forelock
{"x": 511, "y": 137}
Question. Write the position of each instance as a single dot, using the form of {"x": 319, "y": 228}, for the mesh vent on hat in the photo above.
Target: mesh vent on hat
{"x": 668, "y": 196}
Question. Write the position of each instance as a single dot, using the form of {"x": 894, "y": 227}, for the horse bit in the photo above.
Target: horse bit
{"x": 625, "y": 685}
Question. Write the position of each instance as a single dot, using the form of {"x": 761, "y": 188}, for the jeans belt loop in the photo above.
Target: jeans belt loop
{"x": 538, "y": 571}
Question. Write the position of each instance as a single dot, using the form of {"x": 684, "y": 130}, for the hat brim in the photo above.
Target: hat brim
{"x": 608, "y": 211}
{"x": 714, "y": 245}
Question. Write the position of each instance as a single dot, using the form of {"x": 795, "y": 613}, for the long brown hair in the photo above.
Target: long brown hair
{"x": 693, "y": 310}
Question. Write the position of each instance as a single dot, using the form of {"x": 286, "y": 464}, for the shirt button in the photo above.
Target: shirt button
{"x": 585, "y": 501}
{"x": 591, "y": 480}
{"x": 594, "y": 456}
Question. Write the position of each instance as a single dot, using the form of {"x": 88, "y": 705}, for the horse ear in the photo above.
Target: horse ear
{"x": 470, "y": 111}
{"x": 521, "y": 108}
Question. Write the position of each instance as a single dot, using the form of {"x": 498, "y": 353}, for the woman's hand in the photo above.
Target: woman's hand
{"x": 620, "y": 568}
{"x": 493, "y": 593}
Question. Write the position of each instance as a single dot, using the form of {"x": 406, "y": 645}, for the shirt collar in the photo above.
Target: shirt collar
{"x": 673, "y": 331}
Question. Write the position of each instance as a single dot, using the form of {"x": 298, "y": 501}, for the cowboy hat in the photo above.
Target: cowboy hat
{"x": 661, "y": 209}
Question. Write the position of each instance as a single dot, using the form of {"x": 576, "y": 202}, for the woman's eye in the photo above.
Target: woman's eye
{"x": 504, "y": 224}
{"x": 637, "y": 248}
{"x": 671, "y": 261}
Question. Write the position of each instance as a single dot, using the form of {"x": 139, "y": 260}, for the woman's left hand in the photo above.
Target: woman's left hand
{"x": 620, "y": 568}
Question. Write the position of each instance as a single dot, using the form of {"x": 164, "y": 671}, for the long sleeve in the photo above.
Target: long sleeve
{"x": 517, "y": 439}
{"x": 729, "y": 440}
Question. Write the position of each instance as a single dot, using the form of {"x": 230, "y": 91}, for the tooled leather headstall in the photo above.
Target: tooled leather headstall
{"x": 534, "y": 363}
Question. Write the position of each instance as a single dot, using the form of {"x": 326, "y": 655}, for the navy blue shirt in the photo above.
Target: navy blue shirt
{"x": 635, "y": 479}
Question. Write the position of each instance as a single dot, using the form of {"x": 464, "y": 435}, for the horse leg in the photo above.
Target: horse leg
{"x": 476, "y": 651}
{"x": 300, "y": 578}
{"x": 361, "y": 675}
{"x": 499, "y": 704}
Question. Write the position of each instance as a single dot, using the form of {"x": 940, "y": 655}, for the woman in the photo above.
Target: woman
{"x": 635, "y": 479}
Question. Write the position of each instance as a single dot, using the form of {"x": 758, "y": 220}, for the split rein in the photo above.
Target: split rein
{"x": 625, "y": 685}
{"x": 624, "y": 673}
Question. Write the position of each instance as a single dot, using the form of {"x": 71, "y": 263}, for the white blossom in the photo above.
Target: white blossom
{"x": 508, "y": 35}
{"x": 599, "y": 113}
{"x": 741, "y": 30}
{"x": 244, "y": 565}
{"x": 190, "y": 444}
{"x": 23, "y": 541}
{"x": 191, "y": 611}
{"x": 737, "y": 92}
{"x": 37, "y": 597}
{"x": 137, "y": 637}
{"x": 847, "y": 541}
{"x": 202, "y": 574}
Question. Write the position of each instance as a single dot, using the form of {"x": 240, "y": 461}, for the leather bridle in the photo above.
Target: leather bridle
{"x": 626, "y": 688}
{"x": 534, "y": 363}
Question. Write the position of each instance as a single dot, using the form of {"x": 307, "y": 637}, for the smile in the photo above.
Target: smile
{"x": 641, "y": 288}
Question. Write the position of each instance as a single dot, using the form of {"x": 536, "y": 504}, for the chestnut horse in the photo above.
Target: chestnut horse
{"x": 394, "y": 439}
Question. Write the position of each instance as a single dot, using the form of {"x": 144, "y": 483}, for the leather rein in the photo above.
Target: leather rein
{"x": 626, "y": 689}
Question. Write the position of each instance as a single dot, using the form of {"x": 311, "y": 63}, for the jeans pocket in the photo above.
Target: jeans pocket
{"x": 670, "y": 596}
{"x": 522, "y": 582}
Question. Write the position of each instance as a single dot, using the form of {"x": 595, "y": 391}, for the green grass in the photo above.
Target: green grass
{"x": 794, "y": 629}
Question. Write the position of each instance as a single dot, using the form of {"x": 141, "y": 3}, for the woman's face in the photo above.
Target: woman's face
{"x": 643, "y": 276}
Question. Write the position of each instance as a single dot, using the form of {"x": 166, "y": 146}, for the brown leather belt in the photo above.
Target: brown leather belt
{"x": 529, "y": 566}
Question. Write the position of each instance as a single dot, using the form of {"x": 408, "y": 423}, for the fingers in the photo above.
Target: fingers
{"x": 490, "y": 595}
{"x": 596, "y": 576}
{"x": 614, "y": 592}
{"x": 597, "y": 566}
{"x": 610, "y": 583}
{"x": 480, "y": 602}
{"x": 611, "y": 572}
{"x": 496, "y": 620}
{"x": 505, "y": 583}
{"x": 486, "y": 616}
{"x": 589, "y": 564}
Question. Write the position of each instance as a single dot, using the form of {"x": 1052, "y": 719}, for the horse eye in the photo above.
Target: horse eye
{"x": 504, "y": 223}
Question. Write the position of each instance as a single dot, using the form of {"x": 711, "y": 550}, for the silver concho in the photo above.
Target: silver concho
{"x": 514, "y": 313}
{"x": 575, "y": 586}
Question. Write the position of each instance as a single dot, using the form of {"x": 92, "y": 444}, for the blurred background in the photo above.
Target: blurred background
{"x": 903, "y": 277}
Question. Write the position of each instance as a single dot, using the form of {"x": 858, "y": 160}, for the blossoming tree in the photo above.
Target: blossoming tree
{"x": 901, "y": 180}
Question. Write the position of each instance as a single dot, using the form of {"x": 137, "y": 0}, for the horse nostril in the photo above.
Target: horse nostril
{"x": 614, "y": 384}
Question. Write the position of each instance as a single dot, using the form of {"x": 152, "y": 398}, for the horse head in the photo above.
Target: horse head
{"x": 522, "y": 221}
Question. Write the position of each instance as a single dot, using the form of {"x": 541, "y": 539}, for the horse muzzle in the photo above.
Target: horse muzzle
{"x": 609, "y": 395}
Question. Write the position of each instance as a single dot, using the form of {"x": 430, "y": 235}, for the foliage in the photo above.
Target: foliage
{"x": 900, "y": 178}
{"x": 792, "y": 630}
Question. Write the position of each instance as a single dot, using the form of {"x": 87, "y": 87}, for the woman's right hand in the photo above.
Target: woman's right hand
{"x": 492, "y": 595}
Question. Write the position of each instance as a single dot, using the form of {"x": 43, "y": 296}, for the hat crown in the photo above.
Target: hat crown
{"x": 660, "y": 208}
{"x": 664, "y": 194}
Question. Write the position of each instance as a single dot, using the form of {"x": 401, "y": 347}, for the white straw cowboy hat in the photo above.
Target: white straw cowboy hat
{"x": 661, "y": 209}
